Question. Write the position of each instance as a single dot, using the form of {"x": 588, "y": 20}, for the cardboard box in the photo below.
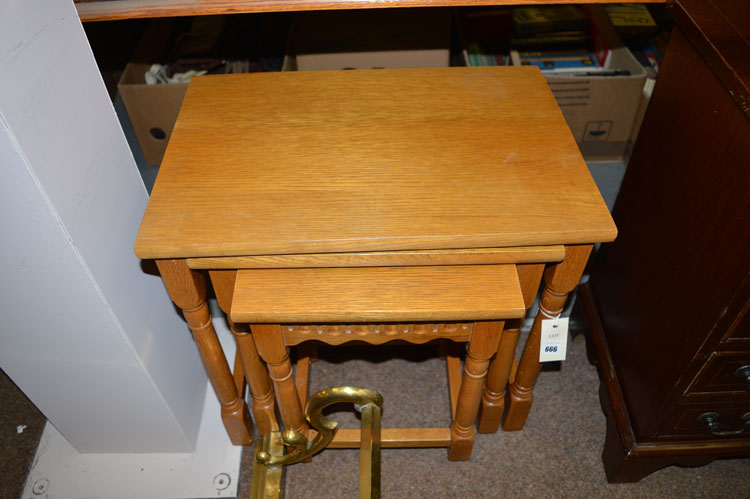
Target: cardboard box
{"x": 152, "y": 109}
{"x": 601, "y": 110}
{"x": 648, "y": 89}
{"x": 366, "y": 39}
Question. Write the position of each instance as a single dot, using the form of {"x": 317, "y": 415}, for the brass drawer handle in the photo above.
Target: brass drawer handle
{"x": 744, "y": 373}
{"x": 712, "y": 423}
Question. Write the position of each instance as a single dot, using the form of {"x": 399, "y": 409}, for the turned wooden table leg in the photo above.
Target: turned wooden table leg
{"x": 483, "y": 345}
{"x": 305, "y": 353}
{"x": 493, "y": 398}
{"x": 560, "y": 279}
{"x": 187, "y": 289}
{"x": 270, "y": 342}
{"x": 256, "y": 374}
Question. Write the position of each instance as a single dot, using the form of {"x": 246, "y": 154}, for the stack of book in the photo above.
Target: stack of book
{"x": 645, "y": 35}
{"x": 486, "y": 30}
{"x": 478, "y": 56}
{"x": 556, "y": 39}
{"x": 563, "y": 61}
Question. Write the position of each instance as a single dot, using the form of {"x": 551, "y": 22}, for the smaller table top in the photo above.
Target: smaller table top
{"x": 377, "y": 160}
{"x": 374, "y": 294}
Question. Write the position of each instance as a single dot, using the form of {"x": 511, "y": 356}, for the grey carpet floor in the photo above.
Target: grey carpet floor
{"x": 557, "y": 453}
{"x": 17, "y": 445}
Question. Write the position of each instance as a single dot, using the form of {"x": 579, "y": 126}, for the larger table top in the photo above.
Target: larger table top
{"x": 376, "y": 160}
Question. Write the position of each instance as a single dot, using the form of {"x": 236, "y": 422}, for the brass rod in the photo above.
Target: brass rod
{"x": 266, "y": 480}
{"x": 369, "y": 453}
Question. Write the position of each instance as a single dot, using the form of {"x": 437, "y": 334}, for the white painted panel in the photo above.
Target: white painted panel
{"x": 60, "y": 341}
{"x": 58, "y": 112}
{"x": 212, "y": 470}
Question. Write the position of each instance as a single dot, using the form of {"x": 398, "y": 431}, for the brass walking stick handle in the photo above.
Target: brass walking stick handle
{"x": 269, "y": 455}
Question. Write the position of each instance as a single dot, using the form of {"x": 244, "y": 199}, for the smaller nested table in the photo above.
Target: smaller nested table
{"x": 375, "y": 305}
{"x": 420, "y": 168}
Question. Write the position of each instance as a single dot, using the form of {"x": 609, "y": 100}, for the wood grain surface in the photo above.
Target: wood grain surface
{"x": 467, "y": 292}
{"x": 108, "y": 10}
{"x": 474, "y": 256}
{"x": 346, "y": 438}
{"x": 720, "y": 32}
{"x": 376, "y": 334}
{"x": 372, "y": 160}
{"x": 187, "y": 289}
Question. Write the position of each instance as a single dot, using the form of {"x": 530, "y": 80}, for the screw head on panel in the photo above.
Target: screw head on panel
{"x": 40, "y": 486}
{"x": 222, "y": 481}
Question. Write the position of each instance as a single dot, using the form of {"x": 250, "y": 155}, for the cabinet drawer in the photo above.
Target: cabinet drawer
{"x": 721, "y": 374}
{"x": 685, "y": 421}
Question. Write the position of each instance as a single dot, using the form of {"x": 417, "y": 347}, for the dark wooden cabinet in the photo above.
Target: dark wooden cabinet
{"x": 667, "y": 302}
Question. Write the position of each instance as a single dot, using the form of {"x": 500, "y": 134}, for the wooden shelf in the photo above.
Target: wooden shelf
{"x": 109, "y": 10}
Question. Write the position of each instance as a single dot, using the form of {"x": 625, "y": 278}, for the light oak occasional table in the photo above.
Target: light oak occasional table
{"x": 377, "y": 168}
